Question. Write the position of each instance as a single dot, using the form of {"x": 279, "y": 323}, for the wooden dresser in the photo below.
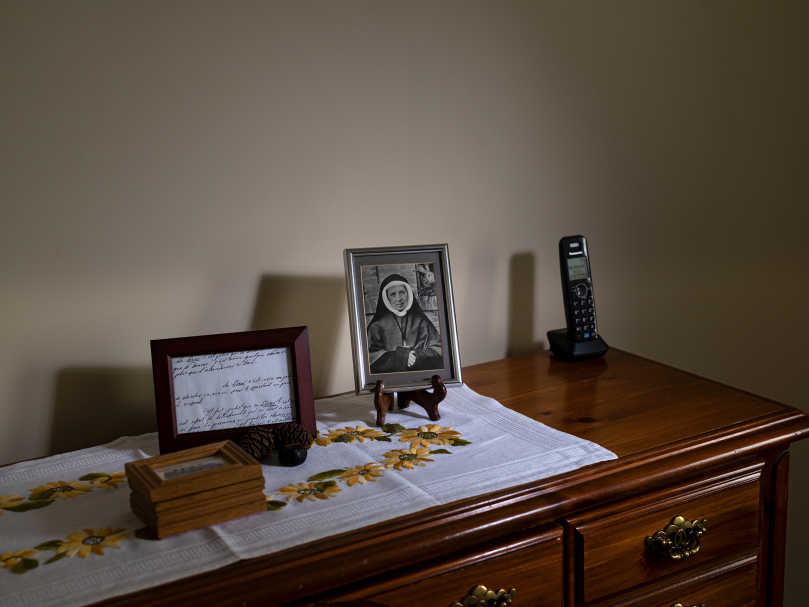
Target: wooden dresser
{"x": 687, "y": 447}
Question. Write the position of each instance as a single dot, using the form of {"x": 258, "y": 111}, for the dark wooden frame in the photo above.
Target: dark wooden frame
{"x": 163, "y": 350}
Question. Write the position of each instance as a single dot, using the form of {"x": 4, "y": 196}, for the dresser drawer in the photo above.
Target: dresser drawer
{"x": 734, "y": 589}
{"x": 530, "y": 562}
{"x": 611, "y": 554}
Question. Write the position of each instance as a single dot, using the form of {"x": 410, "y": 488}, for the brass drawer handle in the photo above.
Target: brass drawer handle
{"x": 480, "y": 596}
{"x": 681, "y": 605}
{"x": 680, "y": 540}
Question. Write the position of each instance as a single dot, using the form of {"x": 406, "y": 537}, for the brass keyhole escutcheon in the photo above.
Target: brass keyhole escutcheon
{"x": 680, "y": 540}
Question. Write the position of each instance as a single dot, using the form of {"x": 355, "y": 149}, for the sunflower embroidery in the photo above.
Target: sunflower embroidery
{"x": 310, "y": 491}
{"x": 91, "y": 540}
{"x": 360, "y": 474}
{"x": 9, "y": 560}
{"x": 105, "y": 481}
{"x": 349, "y": 434}
{"x": 427, "y": 435}
{"x": 407, "y": 458}
{"x": 7, "y": 501}
{"x": 60, "y": 489}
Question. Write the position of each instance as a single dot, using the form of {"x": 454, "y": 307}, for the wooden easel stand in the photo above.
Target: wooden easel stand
{"x": 427, "y": 400}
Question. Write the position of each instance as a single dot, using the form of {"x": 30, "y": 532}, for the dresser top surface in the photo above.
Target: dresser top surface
{"x": 624, "y": 403}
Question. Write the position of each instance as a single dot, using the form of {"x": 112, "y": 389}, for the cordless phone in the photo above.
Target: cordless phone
{"x": 581, "y": 339}
{"x": 577, "y": 289}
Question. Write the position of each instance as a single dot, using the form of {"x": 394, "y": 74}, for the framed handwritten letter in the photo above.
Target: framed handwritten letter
{"x": 213, "y": 387}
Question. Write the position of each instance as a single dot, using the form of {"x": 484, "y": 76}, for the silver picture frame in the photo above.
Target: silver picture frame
{"x": 426, "y": 270}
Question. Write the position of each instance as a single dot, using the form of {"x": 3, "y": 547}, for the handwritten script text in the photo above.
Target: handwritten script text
{"x": 233, "y": 390}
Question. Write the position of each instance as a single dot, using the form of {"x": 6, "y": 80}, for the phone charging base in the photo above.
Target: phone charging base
{"x": 574, "y": 351}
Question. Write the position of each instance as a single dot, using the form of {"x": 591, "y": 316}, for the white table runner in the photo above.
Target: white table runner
{"x": 68, "y": 537}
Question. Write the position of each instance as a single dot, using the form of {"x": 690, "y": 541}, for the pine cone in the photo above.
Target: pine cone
{"x": 292, "y": 432}
{"x": 258, "y": 442}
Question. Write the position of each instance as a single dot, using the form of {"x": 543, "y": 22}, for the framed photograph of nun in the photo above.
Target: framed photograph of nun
{"x": 402, "y": 317}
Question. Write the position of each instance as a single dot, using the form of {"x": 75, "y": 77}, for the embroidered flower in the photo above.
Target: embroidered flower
{"x": 7, "y": 501}
{"x": 60, "y": 489}
{"x": 108, "y": 480}
{"x": 310, "y": 491}
{"x": 9, "y": 560}
{"x": 360, "y": 474}
{"x": 349, "y": 434}
{"x": 427, "y": 435}
{"x": 92, "y": 540}
{"x": 407, "y": 458}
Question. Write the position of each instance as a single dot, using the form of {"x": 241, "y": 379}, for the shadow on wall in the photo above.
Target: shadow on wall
{"x": 316, "y": 302}
{"x": 96, "y": 406}
{"x": 521, "y": 306}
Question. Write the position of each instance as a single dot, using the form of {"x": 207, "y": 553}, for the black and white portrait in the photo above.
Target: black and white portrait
{"x": 401, "y": 318}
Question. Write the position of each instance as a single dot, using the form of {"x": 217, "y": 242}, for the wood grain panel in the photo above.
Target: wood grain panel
{"x": 778, "y": 533}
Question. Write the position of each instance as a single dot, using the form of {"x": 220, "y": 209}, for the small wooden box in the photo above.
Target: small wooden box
{"x": 196, "y": 487}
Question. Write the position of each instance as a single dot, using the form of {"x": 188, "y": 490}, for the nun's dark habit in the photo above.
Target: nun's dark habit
{"x": 392, "y": 335}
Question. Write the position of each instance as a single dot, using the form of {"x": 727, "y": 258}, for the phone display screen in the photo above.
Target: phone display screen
{"x": 576, "y": 268}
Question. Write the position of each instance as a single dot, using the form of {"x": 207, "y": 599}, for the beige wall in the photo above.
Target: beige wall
{"x": 183, "y": 168}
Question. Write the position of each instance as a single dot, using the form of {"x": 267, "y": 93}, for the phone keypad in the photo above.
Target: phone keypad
{"x": 583, "y": 311}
